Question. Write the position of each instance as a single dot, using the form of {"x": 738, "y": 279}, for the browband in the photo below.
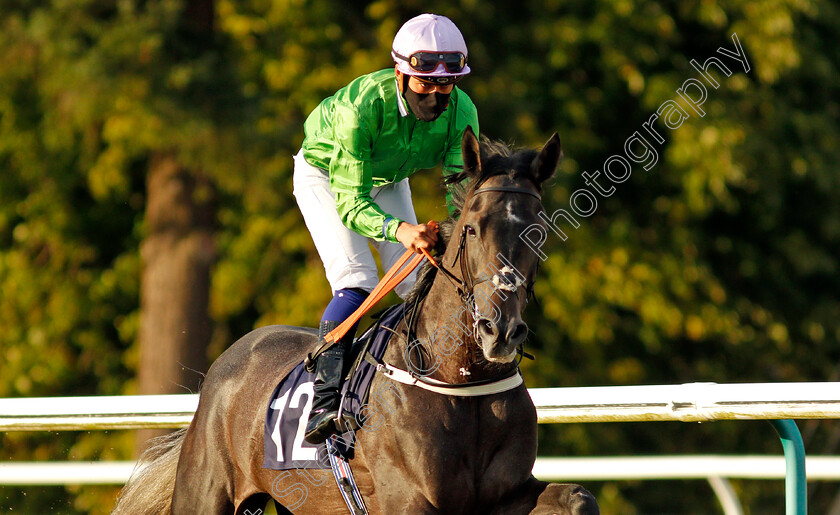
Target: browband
{"x": 511, "y": 189}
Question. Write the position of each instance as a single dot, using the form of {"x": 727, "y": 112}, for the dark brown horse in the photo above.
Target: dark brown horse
{"x": 427, "y": 452}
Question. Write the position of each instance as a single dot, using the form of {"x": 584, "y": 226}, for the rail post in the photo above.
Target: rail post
{"x": 796, "y": 484}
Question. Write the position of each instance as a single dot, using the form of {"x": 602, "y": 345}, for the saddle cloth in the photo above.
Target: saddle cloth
{"x": 291, "y": 402}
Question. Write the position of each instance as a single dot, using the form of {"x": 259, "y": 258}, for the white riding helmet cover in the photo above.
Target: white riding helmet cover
{"x": 428, "y": 33}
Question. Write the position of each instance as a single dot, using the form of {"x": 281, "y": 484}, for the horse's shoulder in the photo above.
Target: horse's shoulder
{"x": 512, "y": 406}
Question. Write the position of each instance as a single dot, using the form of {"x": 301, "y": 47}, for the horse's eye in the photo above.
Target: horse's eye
{"x": 470, "y": 230}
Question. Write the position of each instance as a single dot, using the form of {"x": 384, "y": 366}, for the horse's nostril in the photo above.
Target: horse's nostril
{"x": 487, "y": 327}
{"x": 520, "y": 331}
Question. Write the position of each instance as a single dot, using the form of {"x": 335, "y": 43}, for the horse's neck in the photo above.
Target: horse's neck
{"x": 442, "y": 330}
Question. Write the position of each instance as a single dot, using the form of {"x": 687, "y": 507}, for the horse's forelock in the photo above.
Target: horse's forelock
{"x": 497, "y": 158}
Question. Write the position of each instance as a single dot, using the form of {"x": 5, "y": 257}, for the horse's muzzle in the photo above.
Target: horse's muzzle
{"x": 499, "y": 340}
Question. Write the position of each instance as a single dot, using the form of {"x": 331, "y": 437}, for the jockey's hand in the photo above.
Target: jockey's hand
{"x": 416, "y": 237}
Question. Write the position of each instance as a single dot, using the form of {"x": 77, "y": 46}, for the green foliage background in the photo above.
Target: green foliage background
{"x": 719, "y": 264}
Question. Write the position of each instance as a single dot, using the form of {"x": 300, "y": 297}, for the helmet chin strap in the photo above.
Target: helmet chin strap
{"x": 404, "y": 84}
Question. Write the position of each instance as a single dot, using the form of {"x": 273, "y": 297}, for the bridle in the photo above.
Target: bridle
{"x": 465, "y": 286}
{"x": 466, "y": 283}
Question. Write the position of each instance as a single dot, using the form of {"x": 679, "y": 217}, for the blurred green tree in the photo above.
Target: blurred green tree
{"x": 718, "y": 264}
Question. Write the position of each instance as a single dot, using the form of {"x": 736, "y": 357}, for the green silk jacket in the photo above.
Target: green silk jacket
{"x": 365, "y": 136}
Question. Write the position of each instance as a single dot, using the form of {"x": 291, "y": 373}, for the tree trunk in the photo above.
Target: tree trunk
{"x": 177, "y": 254}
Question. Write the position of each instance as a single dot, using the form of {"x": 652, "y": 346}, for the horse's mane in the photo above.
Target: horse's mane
{"x": 497, "y": 158}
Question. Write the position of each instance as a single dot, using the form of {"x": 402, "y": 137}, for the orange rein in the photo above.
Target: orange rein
{"x": 389, "y": 281}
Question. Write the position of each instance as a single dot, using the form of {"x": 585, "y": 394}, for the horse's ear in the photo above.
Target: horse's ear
{"x": 470, "y": 152}
{"x": 546, "y": 162}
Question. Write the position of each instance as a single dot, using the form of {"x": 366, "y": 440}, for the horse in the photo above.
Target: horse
{"x": 429, "y": 452}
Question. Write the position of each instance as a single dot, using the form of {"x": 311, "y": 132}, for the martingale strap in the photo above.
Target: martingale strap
{"x": 477, "y": 389}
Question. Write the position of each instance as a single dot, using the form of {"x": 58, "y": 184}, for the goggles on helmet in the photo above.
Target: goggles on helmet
{"x": 426, "y": 62}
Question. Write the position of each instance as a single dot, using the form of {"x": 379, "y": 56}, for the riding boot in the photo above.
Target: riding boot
{"x": 329, "y": 369}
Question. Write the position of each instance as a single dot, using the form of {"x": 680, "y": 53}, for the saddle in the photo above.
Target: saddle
{"x": 291, "y": 401}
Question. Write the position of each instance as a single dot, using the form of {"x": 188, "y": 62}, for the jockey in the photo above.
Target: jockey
{"x": 351, "y": 177}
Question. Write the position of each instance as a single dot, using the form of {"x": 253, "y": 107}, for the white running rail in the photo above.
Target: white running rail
{"x": 578, "y": 469}
{"x": 692, "y": 402}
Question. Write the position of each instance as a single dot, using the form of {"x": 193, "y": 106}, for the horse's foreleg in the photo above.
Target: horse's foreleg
{"x": 542, "y": 498}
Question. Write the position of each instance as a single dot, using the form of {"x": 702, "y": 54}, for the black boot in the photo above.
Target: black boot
{"x": 329, "y": 368}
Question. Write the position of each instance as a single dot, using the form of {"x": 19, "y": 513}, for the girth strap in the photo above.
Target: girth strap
{"x": 345, "y": 480}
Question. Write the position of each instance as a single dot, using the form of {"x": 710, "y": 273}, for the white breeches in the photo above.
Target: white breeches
{"x": 346, "y": 255}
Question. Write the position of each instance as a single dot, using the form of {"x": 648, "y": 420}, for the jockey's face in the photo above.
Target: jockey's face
{"x": 420, "y": 87}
